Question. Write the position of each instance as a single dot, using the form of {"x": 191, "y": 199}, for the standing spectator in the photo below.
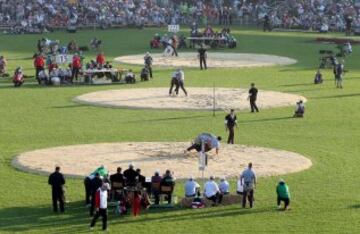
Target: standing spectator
{"x": 148, "y": 60}
{"x": 253, "y": 92}
{"x": 100, "y": 60}
{"x": 57, "y": 181}
{"x": 76, "y": 66}
{"x": 192, "y": 188}
{"x": 248, "y": 180}
{"x": 283, "y": 194}
{"x": 101, "y": 196}
{"x": 3, "y": 65}
{"x": 212, "y": 191}
{"x": 202, "y": 56}
{"x": 95, "y": 184}
{"x": 130, "y": 175}
{"x": 39, "y": 64}
{"x": 230, "y": 124}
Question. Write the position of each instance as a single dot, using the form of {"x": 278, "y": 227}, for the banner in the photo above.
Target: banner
{"x": 173, "y": 28}
{"x": 63, "y": 58}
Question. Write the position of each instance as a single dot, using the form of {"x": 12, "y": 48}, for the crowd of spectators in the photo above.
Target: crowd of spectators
{"x": 32, "y": 16}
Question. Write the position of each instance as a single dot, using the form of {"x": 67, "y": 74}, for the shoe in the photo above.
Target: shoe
{"x": 279, "y": 207}
{"x": 91, "y": 229}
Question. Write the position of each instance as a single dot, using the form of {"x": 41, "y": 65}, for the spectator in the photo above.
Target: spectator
{"x": 3, "y": 65}
{"x": 140, "y": 178}
{"x": 95, "y": 184}
{"x": 130, "y": 77}
{"x": 57, "y": 181}
{"x": 283, "y": 194}
{"x": 18, "y": 78}
{"x": 300, "y": 109}
{"x": 76, "y": 66}
{"x": 248, "y": 180}
{"x": 224, "y": 186}
{"x": 168, "y": 181}
{"x": 192, "y": 188}
{"x": 100, "y": 60}
{"x": 39, "y": 64}
{"x": 130, "y": 175}
{"x": 212, "y": 191}
{"x": 101, "y": 196}
{"x": 155, "y": 186}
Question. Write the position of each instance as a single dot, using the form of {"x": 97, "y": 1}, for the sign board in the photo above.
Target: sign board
{"x": 173, "y": 28}
{"x": 63, "y": 58}
{"x": 202, "y": 161}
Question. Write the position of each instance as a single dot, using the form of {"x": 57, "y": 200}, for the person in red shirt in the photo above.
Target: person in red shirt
{"x": 39, "y": 64}
{"x": 136, "y": 204}
{"x": 100, "y": 59}
{"x": 101, "y": 205}
{"x": 76, "y": 66}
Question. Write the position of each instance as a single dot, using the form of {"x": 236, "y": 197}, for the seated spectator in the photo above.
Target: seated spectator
{"x": 54, "y": 77}
{"x": 318, "y": 77}
{"x": 118, "y": 177}
{"x": 3, "y": 65}
{"x": 18, "y": 78}
{"x": 72, "y": 46}
{"x": 192, "y": 188}
{"x": 240, "y": 187}
{"x": 155, "y": 42}
{"x": 130, "y": 176}
{"x": 212, "y": 191}
{"x": 43, "y": 77}
{"x": 168, "y": 182}
{"x": 324, "y": 28}
{"x": 224, "y": 186}
{"x": 108, "y": 65}
{"x": 130, "y": 77}
{"x": 300, "y": 109}
{"x": 95, "y": 43}
{"x": 283, "y": 194}
{"x": 155, "y": 186}
{"x": 140, "y": 179}
{"x": 145, "y": 74}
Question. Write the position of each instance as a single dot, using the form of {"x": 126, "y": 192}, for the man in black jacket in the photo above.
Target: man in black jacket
{"x": 230, "y": 124}
{"x": 130, "y": 175}
{"x": 253, "y": 92}
{"x": 57, "y": 181}
{"x": 95, "y": 184}
{"x": 202, "y": 57}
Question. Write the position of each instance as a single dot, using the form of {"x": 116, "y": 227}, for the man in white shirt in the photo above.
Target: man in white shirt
{"x": 101, "y": 197}
{"x": 180, "y": 76}
{"x": 191, "y": 188}
{"x": 212, "y": 191}
{"x": 224, "y": 186}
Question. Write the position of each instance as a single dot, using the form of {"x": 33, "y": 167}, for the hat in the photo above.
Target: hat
{"x": 131, "y": 164}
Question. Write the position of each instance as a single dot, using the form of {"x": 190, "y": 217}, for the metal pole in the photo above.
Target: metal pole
{"x": 214, "y": 99}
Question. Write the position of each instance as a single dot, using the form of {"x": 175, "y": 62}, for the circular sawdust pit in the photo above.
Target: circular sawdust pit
{"x": 80, "y": 160}
{"x": 197, "y": 99}
{"x": 214, "y": 60}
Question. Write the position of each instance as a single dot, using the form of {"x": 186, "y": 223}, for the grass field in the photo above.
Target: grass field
{"x": 325, "y": 198}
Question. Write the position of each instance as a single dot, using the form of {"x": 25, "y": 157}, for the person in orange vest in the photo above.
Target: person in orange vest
{"x": 100, "y": 60}
{"x": 39, "y": 64}
{"x": 76, "y": 66}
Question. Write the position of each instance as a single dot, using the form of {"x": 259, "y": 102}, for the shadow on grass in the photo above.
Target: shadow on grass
{"x": 76, "y": 219}
{"x": 338, "y": 96}
{"x": 168, "y": 119}
{"x": 295, "y": 85}
{"x": 267, "y": 119}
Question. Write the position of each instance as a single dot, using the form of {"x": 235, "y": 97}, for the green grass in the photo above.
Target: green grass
{"x": 325, "y": 198}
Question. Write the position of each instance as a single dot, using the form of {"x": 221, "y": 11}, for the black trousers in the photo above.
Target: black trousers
{"x": 150, "y": 71}
{"x": 180, "y": 85}
{"x": 253, "y": 105}
{"x": 156, "y": 196}
{"x": 217, "y": 198}
{"x": 203, "y": 63}
{"x": 87, "y": 190}
{"x": 174, "y": 82}
{"x": 285, "y": 200}
{"x": 197, "y": 147}
{"x": 175, "y": 52}
{"x": 103, "y": 214}
{"x": 58, "y": 196}
{"x": 248, "y": 195}
{"x": 92, "y": 203}
{"x": 75, "y": 73}
{"x": 231, "y": 135}
{"x": 37, "y": 71}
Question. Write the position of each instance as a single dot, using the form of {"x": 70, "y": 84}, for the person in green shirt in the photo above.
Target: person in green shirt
{"x": 283, "y": 194}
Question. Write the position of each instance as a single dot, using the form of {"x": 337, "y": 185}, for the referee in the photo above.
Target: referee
{"x": 230, "y": 124}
